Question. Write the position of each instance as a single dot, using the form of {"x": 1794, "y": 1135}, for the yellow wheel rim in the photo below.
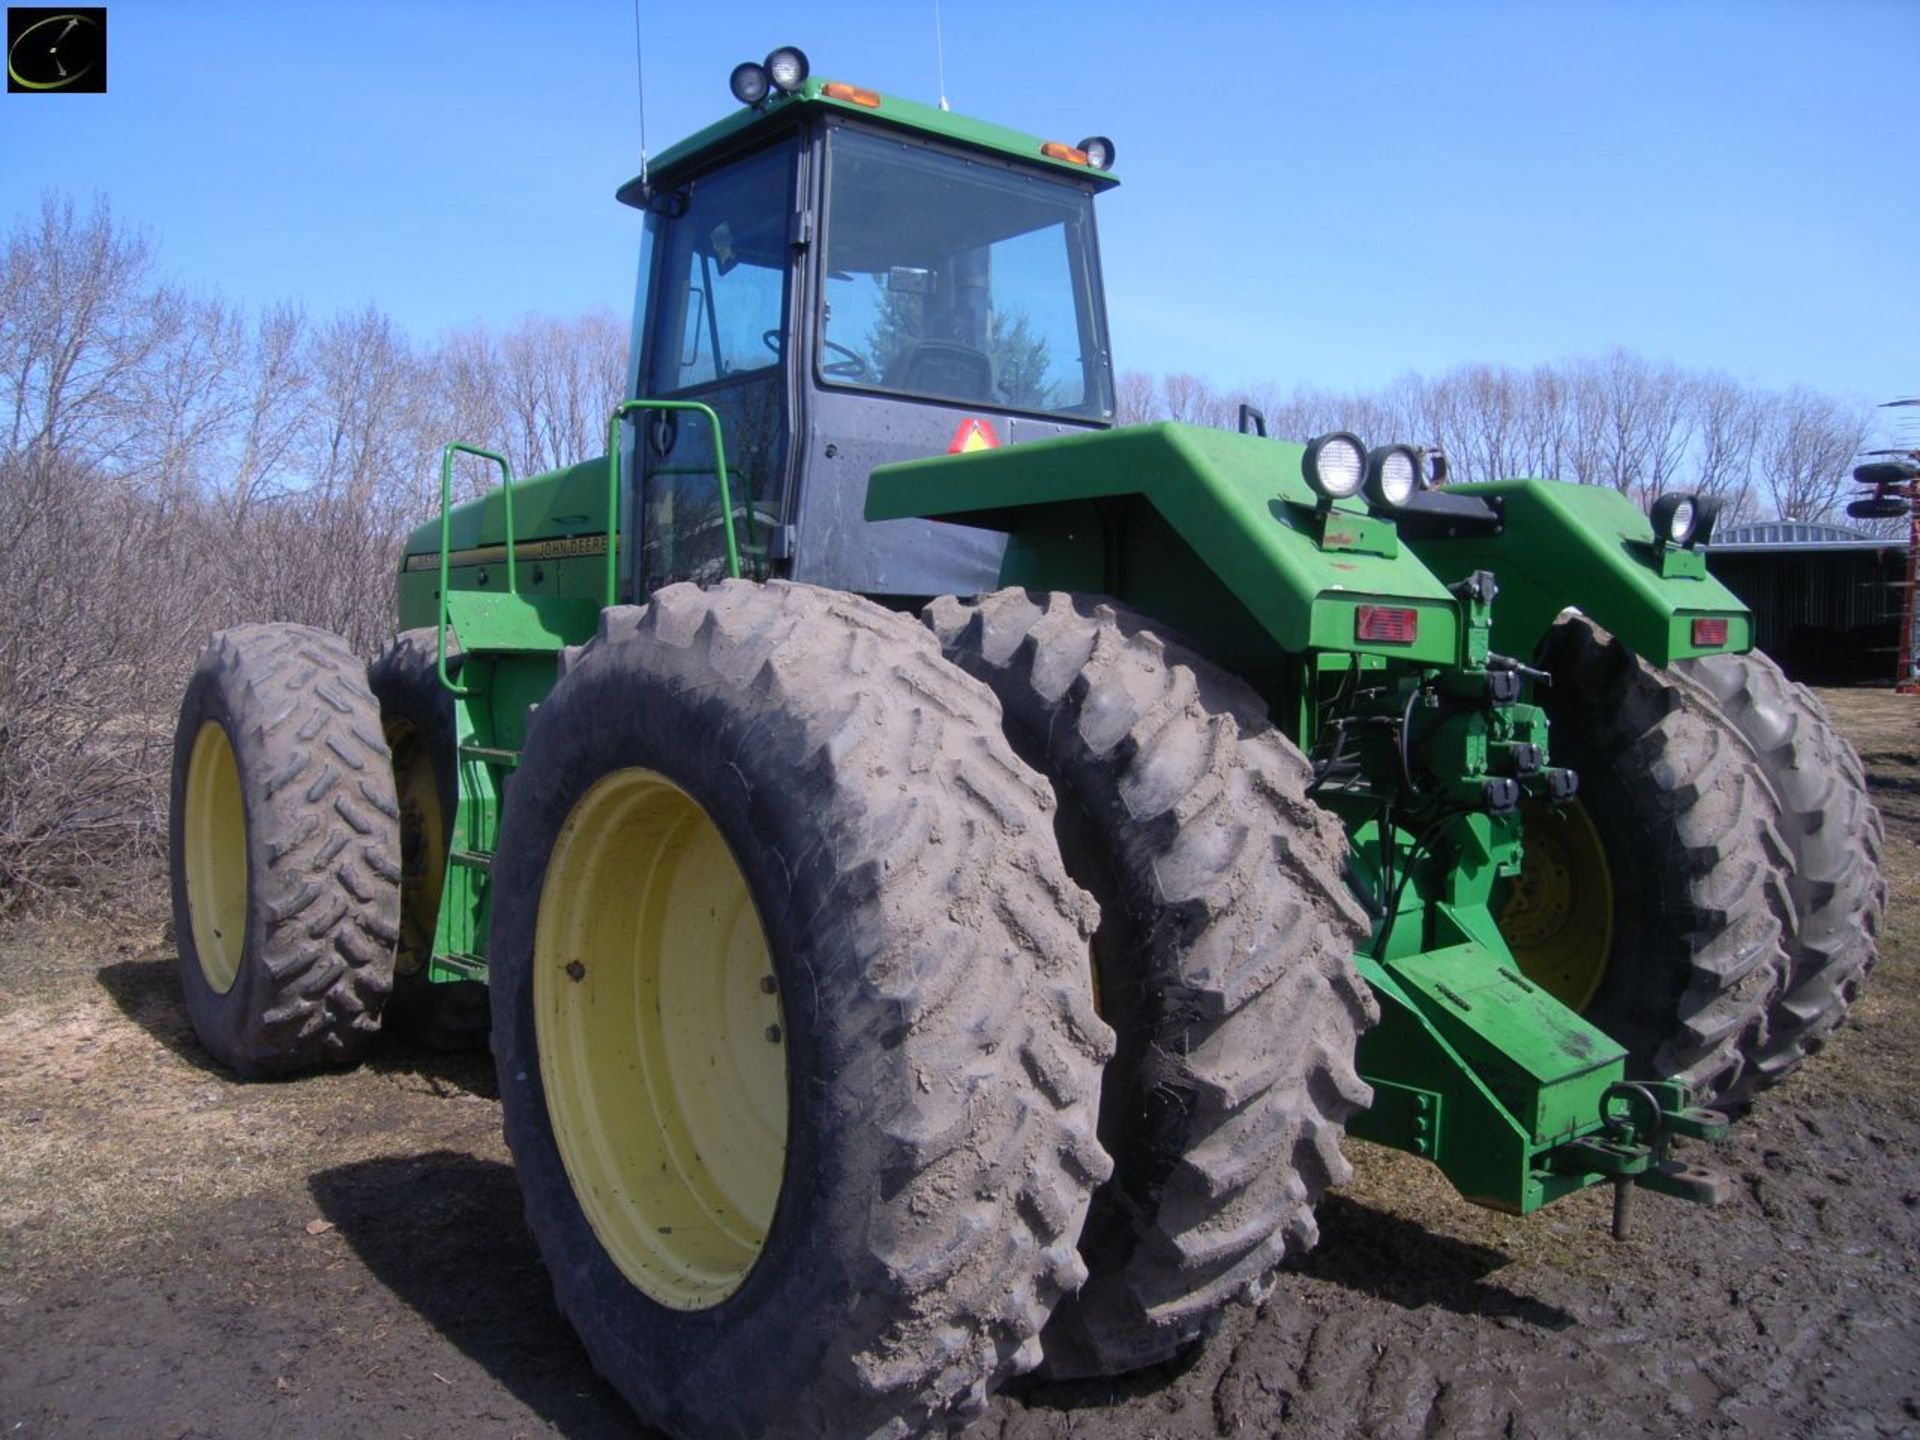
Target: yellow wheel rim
{"x": 215, "y": 839}
{"x": 1558, "y": 919}
{"x": 662, "y": 1043}
{"x": 423, "y": 846}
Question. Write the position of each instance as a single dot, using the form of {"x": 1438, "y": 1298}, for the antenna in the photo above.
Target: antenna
{"x": 939, "y": 54}
{"x": 640, "y": 85}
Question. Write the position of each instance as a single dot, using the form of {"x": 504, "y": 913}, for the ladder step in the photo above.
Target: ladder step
{"x": 472, "y": 966}
{"x": 472, "y": 859}
{"x": 491, "y": 755}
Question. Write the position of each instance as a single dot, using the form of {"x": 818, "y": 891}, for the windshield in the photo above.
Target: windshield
{"x": 959, "y": 280}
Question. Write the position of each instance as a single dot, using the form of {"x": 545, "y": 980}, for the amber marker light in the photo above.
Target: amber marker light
{"x": 1054, "y": 150}
{"x": 852, "y": 94}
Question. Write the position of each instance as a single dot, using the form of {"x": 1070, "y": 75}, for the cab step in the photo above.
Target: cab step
{"x": 491, "y": 755}
{"x": 471, "y": 967}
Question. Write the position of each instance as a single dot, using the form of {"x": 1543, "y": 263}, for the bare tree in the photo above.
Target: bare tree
{"x": 81, "y": 324}
{"x": 1727, "y": 423}
{"x": 1135, "y": 398}
{"x": 1806, "y": 452}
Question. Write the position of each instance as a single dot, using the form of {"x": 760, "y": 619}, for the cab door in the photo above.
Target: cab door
{"x": 721, "y": 302}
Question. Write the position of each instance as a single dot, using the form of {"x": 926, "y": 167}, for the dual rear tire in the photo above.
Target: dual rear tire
{"x": 1224, "y": 961}
{"x": 1711, "y": 900}
{"x": 830, "y": 1180}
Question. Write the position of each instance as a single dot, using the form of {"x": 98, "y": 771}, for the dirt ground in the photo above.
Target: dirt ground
{"x": 184, "y": 1256}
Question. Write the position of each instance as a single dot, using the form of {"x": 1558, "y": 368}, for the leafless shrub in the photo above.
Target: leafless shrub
{"x": 170, "y": 466}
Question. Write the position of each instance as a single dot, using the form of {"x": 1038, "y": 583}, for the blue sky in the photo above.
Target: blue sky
{"x": 1313, "y": 193}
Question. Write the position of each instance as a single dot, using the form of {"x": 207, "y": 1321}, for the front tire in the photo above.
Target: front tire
{"x": 416, "y": 718}
{"x": 788, "y": 792}
{"x": 1224, "y": 956}
{"x": 285, "y": 850}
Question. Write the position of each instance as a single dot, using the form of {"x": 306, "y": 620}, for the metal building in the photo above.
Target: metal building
{"x": 1826, "y": 599}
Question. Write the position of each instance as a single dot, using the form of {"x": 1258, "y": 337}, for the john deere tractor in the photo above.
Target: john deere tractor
{"x": 942, "y": 872}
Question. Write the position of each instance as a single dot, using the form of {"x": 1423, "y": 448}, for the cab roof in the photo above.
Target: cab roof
{"x": 891, "y": 110}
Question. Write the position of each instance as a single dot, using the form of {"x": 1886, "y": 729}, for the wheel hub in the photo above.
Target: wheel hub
{"x": 661, "y": 1038}
{"x": 1558, "y": 916}
{"x": 215, "y": 840}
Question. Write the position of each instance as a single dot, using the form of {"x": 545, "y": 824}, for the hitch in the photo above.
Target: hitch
{"x": 1639, "y": 1118}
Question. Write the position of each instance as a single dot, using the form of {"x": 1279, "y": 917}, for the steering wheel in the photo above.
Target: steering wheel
{"x": 851, "y": 367}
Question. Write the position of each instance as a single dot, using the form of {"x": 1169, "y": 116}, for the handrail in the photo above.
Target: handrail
{"x": 446, "y": 545}
{"x": 614, "y": 421}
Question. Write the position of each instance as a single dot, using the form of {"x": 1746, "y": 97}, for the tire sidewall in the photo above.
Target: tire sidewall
{"x": 225, "y": 1023}
{"x": 1648, "y": 967}
{"x": 731, "y": 1368}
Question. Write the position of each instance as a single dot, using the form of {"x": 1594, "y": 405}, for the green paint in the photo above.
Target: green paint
{"x": 743, "y": 126}
{"x": 1588, "y": 546}
{"x": 1151, "y": 508}
{"x": 1219, "y": 536}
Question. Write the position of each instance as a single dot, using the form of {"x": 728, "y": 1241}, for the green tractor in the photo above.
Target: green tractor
{"x": 942, "y": 873}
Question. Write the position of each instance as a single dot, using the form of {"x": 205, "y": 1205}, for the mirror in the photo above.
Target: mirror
{"x": 909, "y": 280}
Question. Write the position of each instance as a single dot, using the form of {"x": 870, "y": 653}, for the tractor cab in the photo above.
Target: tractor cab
{"x": 848, "y": 279}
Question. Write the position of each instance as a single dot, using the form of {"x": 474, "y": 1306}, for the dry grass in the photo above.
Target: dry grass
{"x": 118, "y": 1136}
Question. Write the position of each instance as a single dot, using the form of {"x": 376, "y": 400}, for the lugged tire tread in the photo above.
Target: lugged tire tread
{"x": 1227, "y": 859}
{"x": 324, "y": 900}
{"x": 1836, "y": 836}
{"x": 1693, "y": 778}
{"x": 964, "y": 945}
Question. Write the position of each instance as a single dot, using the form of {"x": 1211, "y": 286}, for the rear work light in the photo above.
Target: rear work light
{"x": 1386, "y": 623}
{"x": 1709, "y": 632}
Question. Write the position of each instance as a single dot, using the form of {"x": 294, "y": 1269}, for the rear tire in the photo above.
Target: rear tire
{"x": 1691, "y": 834}
{"x": 285, "y": 847}
{"x": 416, "y": 718}
{"x": 1224, "y": 958}
{"x": 1835, "y": 834}
{"x": 852, "y": 796}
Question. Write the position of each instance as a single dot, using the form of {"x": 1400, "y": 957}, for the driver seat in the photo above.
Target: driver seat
{"x": 941, "y": 367}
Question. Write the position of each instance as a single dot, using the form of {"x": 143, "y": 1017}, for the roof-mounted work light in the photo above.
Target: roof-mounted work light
{"x": 750, "y": 83}
{"x": 787, "y": 68}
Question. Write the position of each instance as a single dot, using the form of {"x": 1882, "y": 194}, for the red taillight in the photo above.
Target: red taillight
{"x": 1386, "y": 623}
{"x": 1709, "y": 632}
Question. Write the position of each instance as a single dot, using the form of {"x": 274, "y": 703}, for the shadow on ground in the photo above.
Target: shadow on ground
{"x": 443, "y": 1232}
{"x": 147, "y": 990}
{"x": 1396, "y": 1260}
